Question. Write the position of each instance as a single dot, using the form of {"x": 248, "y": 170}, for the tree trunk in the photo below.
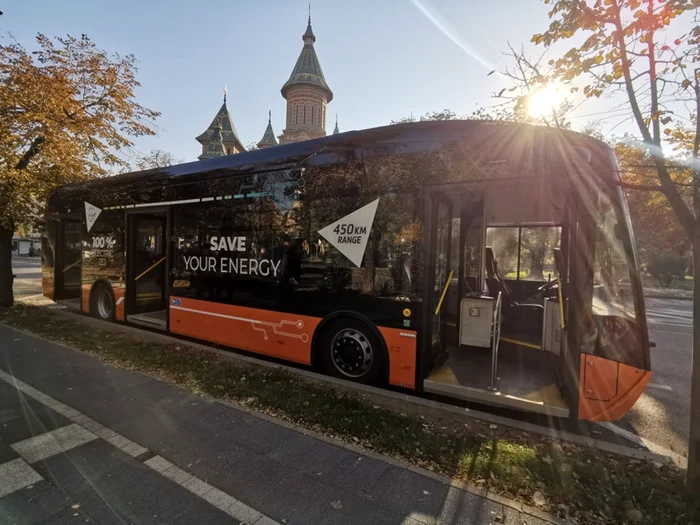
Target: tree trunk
{"x": 537, "y": 262}
{"x": 6, "y": 296}
{"x": 694, "y": 442}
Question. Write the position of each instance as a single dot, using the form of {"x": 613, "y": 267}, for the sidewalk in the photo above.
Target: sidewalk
{"x": 270, "y": 466}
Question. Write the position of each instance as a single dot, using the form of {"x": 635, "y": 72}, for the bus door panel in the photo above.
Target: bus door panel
{"x": 147, "y": 264}
{"x": 472, "y": 239}
{"x": 443, "y": 323}
{"x": 69, "y": 259}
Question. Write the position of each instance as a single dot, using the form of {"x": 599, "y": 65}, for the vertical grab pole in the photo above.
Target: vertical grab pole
{"x": 495, "y": 340}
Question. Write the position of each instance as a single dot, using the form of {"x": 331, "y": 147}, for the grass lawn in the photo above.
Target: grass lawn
{"x": 586, "y": 485}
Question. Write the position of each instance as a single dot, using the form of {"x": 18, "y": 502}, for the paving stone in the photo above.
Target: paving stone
{"x": 409, "y": 492}
{"x": 52, "y": 443}
{"x": 264, "y": 437}
{"x": 309, "y": 455}
{"x": 356, "y": 473}
{"x": 39, "y": 503}
{"x": 16, "y": 475}
{"x": 111, "y": 487}
{"x": 22, "y": 417}
{"x": 197, "y": 486}
{"x": 300, "y": 500}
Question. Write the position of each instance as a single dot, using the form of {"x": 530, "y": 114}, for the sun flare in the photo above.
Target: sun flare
{"x": 544, "y": 100}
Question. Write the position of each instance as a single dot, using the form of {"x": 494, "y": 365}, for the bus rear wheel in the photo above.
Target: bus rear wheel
{"x": 102, "y": 302}
{"x": 350, "y": 350}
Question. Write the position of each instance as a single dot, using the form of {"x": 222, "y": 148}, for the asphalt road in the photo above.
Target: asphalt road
{"x": 660, "y": 416}
{"x": 658, "y": 421}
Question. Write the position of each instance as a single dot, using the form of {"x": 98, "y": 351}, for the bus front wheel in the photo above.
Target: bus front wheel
{"x": 102, "y": 302}
{"x": 350, "y": 350}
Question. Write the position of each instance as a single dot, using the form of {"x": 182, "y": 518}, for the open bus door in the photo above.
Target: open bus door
{"x": 456, "y": 236}
{"x": 496, "y": 316}
{"x": 146, "y": 290}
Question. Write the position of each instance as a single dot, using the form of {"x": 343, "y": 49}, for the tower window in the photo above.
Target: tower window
{"x": 297, "y": 116}
{"x": 304, "y": 114}
{"x": 312, "y": 115}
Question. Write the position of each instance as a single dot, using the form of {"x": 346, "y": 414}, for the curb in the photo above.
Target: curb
{"x": 408, "y": 399}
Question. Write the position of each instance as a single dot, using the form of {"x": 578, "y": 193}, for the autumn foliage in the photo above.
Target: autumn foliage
{"x": 66, "y": 111}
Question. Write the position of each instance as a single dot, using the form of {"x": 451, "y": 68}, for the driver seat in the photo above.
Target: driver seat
{"x": 517, "y": 317}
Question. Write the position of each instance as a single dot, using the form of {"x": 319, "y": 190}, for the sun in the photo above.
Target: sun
{"x": 546, "y": 98}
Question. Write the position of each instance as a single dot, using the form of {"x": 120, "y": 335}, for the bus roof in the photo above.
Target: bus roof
{"x": 413, "y": 137}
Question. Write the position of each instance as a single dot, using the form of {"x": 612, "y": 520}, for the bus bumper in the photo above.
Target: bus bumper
{"x": 608, "y": 389}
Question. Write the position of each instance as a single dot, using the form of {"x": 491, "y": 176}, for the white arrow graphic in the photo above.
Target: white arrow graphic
{"x": 350, "y": 234}
{"x": 91, "y": 214}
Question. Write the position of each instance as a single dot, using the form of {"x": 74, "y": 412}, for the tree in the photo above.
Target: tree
{"x": 445, "y": 114}
{"x": 157, "y": 158}
{"x": 622, "y": 49}
{"x": 66, "y": 110}
{"x": 659, "y": 237}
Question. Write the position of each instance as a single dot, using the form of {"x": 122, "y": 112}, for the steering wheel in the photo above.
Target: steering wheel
{"x": 546, "y": 287}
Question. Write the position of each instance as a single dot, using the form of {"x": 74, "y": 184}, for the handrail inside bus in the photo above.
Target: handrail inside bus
{"x": 149, "y": 269}
{"x": 76, "y": 263}
{"x": 495, "y": 340}
{"x": 561, "y": 303}
{"x": 444, "y": 291}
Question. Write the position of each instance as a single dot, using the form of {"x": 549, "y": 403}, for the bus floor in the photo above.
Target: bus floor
{"x": 155, "y": 319}
{"x": 527, "y": 378}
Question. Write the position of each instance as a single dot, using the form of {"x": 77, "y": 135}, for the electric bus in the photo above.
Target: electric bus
{"x": 486, "y": 261}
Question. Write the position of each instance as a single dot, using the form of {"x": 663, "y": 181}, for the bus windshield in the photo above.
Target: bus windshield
{"x": 612, "y": 295}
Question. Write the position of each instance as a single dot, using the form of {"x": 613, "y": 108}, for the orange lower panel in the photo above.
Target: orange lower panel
{"x": 402, "y": 356}
{"x": 276, "y": 334}
{"x": 47, "y": 287}
{"x": 119, "y": 303}
{"x": 608, "y": 389}
{"x": 85, "y": 298}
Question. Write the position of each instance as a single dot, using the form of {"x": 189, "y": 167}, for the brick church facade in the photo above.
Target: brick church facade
{"x": 307, "y": 95}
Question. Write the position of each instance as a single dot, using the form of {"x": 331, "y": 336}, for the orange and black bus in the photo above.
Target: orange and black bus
{"x": 486, "y": 261}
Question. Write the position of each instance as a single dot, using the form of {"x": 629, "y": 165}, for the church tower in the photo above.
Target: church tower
{"x": 220, "y": 138}
{"x": 268, "y": 139}
{"x": 307, "y": 95}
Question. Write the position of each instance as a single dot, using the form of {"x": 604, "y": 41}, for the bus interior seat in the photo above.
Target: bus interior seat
{"x": 518, "y": 318}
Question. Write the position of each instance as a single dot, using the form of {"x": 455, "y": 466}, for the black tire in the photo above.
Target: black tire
{"x": 350, "y": 349}
{"x": 102, "y": 303}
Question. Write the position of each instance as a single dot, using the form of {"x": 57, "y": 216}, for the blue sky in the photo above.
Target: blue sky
{"x": 383, "y": 59}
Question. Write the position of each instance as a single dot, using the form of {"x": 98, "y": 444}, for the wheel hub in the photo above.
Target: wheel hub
{"x": 351, "y": 353}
